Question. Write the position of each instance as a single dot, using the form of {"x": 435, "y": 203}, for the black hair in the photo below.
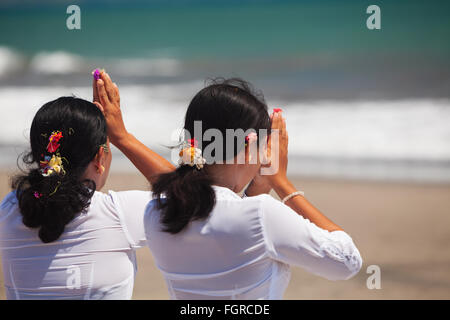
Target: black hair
{"x": 186, "y": 194}
{"x": 51, "y": 202}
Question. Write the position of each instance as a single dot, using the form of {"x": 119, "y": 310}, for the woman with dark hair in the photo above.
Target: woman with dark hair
{"x": 59, "y": 237}
{"x": 210, "y": 243}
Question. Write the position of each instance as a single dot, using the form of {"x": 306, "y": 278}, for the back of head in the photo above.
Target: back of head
{"x": 65, "y": 137}
{"x": 187, "y": 194}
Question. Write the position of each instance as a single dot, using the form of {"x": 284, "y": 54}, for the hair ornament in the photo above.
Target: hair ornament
{"x": 53, "y": 144}
{"x": 37, "y": 195}
{"x": 191, "y": 155}
{"x": 56, "y": 188}
{"x": 252, "y": 136}
{"x": 53, "y": 164}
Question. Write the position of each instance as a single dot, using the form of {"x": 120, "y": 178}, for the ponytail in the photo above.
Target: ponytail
{"x": 50, "y": 203}
{"x": 183, "y": 195}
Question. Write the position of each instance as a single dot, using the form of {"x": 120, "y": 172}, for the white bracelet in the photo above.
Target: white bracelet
{"x": 293, "y": 194}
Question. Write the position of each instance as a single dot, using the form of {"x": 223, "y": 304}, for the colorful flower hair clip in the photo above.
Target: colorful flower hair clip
{"x": 252, "y": 136}
{"x": 37, "y": 195}
{"x": 193, "y": 142}
{"x": 191, "y": 155}
{"x": 52, "y": 165}
{"x": 56, "y": 189}
{"x": 53, "y": 144}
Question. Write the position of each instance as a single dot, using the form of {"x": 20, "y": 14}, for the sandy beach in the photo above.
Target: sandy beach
{"x": 402, "y": 228}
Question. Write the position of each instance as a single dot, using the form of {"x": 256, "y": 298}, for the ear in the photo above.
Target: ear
{"x": 99, "y": 159}
{"x": 246, "y": 151}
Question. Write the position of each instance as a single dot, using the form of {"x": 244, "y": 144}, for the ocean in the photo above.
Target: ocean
{"x": 360, "y": 104}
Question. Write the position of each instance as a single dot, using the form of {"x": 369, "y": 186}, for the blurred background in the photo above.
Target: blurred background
{"x": 368, "y": 111}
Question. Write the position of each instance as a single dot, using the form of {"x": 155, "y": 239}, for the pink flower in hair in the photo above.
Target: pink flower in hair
{"x": 193, "y": 142}
{"x": 252, "y": 136}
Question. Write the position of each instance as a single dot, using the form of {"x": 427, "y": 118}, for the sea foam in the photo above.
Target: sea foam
{"x": 327, "y": 138}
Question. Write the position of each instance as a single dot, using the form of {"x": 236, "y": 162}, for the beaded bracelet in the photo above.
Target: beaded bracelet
{"x": 293, "y": 194}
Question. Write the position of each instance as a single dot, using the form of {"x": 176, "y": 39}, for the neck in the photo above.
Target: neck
{"x": 224, "y": 175}
{"x": 91, "y": 174}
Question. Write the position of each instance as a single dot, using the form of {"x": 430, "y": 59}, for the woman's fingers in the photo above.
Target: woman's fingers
{"x": 113, "y": 91}
{"x": 102, "y": 94}
{"x": 274, "y": 117}
{"x": 108, "y": 86}
{"x": 284, "y": 136}
{"x": 94, "y": 90}
{"x": 283, "y": 126}
{"x": 276, "y": 121}
{"x": 116, "y": 88}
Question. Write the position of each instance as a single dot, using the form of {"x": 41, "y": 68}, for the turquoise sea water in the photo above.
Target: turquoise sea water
{"x": 243, "y": 29}
{"x": 275, "y": 42}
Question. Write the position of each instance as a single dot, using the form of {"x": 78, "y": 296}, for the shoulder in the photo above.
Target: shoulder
{"x": 264, "y": 202}
{"x": 9, "y": 201}
{"x": 273, "y": 212}
{"x": 269, "y": 204}
{"x": 152, "y": 216}
{"x": 129, "y": 201}
{"x": 127, "y": 208}
{"x": 9, "y": 208}
{"x": 114, "y": 197}
{"x": 118, "y": 201}
{"x": 10, "y": 198}
{"x": 130, "y": 195}
{"x": 248, "y": 206}
{"x": 242, "y": 212}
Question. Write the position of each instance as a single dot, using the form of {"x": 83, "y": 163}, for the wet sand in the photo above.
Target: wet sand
{"x": 403, "y": 228}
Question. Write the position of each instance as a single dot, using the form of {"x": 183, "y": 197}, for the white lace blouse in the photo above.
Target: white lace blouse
{"x": 243, "y": 250}
{"x": 93, "y": 259}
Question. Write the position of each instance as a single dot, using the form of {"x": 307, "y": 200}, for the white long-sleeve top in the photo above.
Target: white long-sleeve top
{"x": 93, "y": 259}
{"x": 243, "y": 250}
